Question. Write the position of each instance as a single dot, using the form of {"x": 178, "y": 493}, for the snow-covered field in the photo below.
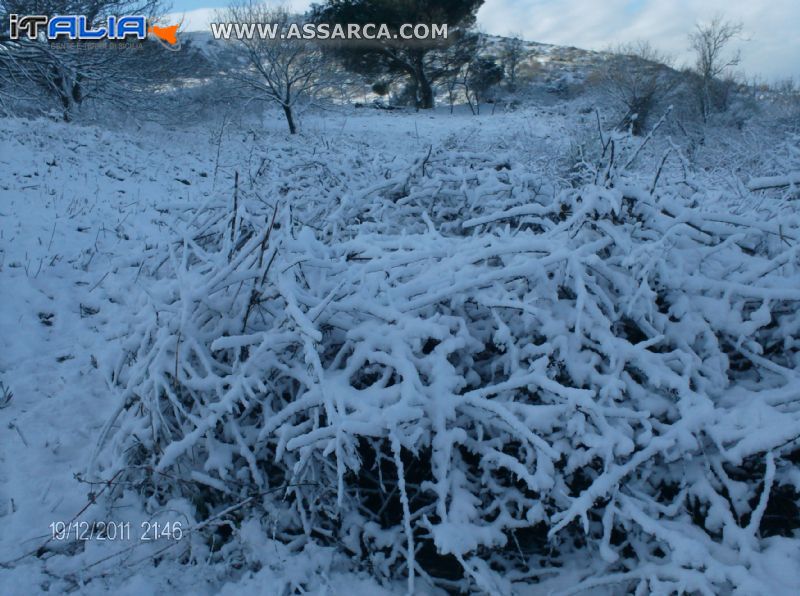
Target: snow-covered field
{"x": 398, "y": 353}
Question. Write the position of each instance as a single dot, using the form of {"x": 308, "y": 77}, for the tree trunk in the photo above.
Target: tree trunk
{"x": 468, "y": 95}
{"x": 287, "y": 110}
{"x": 425, "y": 92}
{"x": 67, "y": 91}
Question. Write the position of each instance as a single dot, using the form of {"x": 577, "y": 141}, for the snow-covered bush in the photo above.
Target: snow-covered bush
{"x": 465, "y": 377}
{"x": 782, "y": 169}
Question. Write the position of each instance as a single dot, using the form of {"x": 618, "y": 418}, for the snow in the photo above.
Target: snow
{"x": 765, "y": 182}
{"x": 419, "y": 308}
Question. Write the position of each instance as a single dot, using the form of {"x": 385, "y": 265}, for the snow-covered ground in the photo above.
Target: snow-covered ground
{"x": 90, "y": 215}
{"x": 78, "y": 207}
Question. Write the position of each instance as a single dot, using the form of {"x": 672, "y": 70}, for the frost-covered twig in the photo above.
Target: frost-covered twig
{"x": 469, "y": 360}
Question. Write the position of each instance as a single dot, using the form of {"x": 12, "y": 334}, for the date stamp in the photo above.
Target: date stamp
{"x": 147, "y": 531}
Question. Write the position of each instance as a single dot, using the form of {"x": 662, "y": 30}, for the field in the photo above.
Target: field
{"x": 518, "y": 352}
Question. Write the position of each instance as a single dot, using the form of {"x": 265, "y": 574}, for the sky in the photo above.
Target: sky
{"x": 770, "y": 43}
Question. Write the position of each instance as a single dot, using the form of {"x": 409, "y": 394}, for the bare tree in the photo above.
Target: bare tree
{"x": 282, "y": 71}
{"x": 512, "y": 53}
{"x": 474, "y": 73}
{"x": 454, "y": 64}
{"x": 637, "y": 77}
{"x": 482, "y": 74}
{"x": 709, "y": 43}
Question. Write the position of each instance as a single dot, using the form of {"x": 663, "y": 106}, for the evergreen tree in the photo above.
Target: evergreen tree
{"x": 423, "y": 62}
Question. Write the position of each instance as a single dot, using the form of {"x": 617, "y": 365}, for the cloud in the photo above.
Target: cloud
{"x": 770, "y": 48}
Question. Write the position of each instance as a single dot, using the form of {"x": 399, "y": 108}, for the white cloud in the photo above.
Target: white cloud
{"x": 771, "y": 47}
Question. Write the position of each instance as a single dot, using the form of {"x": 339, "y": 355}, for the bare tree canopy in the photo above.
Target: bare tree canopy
{"x": 710, "y": 43}
{"x": 280, "y": 71}
{"x": 637, "y": 76}
{"x": 512, "y": 53}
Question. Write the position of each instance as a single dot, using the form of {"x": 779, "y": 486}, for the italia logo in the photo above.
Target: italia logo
{"x": 77, "y": 28}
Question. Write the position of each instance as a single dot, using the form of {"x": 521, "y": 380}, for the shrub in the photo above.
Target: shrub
{"x": 466, "y": 379}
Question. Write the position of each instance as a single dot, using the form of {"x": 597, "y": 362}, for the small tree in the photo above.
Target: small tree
{"x": 709, "y": 44}
{"x": 282, "y": 71}
{"x": 455, "y": 62}
{"x": 512, "y": 52}
{"x": 637, "y": 77}
{"x": 482, "y": 74}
